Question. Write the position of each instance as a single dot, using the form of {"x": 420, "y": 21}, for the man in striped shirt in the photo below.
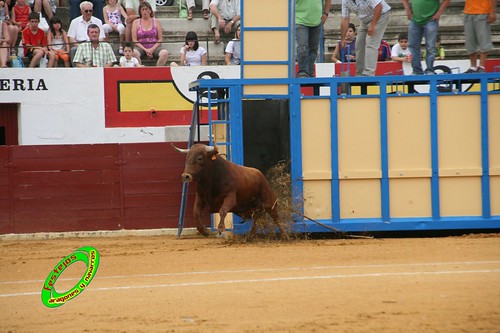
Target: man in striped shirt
{"x": 374, "y": 16}
{"x": 94, "y": 53}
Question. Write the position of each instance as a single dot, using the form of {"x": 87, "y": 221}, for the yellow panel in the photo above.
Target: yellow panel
{"x": 318, "y": 199}
{"x": 494, "y": 133}
{"x": 409, "y": 136}
{"x": 459, "y": 132}
{"x": 228, "y": 222}
{"x": 219, "y": 134}
{"x": 359, "y": 136}
{"x": 147, "y": 96}
{"x": 265, "y": 71}
{"x": 495, "y": 195}
{"x": 460, "y": 196}
{"x": 410, "y": 197}
{"x": 360, "y": 198}
{"x": 265, "y": 89}
{"x": 266, "y": 46}
{"x": 265, "y": 13}
{"x": 316, "y": 144}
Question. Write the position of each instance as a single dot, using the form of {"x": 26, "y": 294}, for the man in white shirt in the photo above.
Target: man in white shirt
{"x": 374, "y": 16}
{"x": 77, "y": 31}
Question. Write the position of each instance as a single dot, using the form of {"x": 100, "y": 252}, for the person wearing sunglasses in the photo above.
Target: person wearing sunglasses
{"x": 77, "y": 32}
{"x": 76, "y": 5}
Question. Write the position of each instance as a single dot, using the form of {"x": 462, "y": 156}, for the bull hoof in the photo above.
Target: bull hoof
{"x": 221, "y": 234}
{"x": 203, "y": 231}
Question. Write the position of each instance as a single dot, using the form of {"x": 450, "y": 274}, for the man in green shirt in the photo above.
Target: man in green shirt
{"x": 94, "y": 53}
{"x": 424, "y": 22}
{"x": 309, "y": 16}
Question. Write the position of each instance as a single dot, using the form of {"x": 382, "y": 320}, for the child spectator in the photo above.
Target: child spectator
{"x": 58, "y": 41}
{"x": 348, "y": 51}
{"x": 233, "y": 49}
{"x": 4, "y": 43}
{"x": 440, "y": 54}
{"x": 35, "y": 42}
{"x": 113, "y": 14}
{"x": 11, "y": 30}
{"x": 192, "y": 54}
{"x": 384, "y": 51}
{"x": 127, "y": 60}
{"x": 400, "y": 51}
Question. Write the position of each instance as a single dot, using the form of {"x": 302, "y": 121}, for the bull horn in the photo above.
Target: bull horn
{"x": 180, "y": 150}
{"x": 209, "y": 149}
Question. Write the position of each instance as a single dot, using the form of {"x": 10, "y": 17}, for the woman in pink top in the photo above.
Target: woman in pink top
{"x": 147, "y": 36}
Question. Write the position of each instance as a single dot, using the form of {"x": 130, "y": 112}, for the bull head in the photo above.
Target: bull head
{"x": 195, "y": 161}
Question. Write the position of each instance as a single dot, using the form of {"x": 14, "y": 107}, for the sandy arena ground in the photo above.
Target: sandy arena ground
{"x": 195, "y": 284}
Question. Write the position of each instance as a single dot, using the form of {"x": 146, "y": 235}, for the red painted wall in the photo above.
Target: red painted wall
{"x": 61, "y": 188}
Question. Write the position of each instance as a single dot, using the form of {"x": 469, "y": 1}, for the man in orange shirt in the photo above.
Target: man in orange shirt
{"x": 479, "y": 15}
{"x": 35, "y": 42}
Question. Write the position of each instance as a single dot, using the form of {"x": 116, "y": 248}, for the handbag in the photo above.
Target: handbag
{"x": 43, "y": 24}
{"x": 16, "y": 62}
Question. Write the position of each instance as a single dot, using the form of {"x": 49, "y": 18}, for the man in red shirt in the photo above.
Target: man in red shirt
{"x": 35, "y": 42}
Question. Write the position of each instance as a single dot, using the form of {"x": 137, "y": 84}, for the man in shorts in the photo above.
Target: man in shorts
{"x": 479, "y": 15}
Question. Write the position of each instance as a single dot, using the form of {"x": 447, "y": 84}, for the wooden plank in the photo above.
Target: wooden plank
{"x": 164, "y": 174}
{"x": 27, "y": 215}
{"x": 66, "y": 204}
{"x": 150, "y": 223}
{"x": 67, "y": 224}
{"x": 64, "y": 151}
{"x": 152, "y": 200}
{"x": 70, "y": 163}
{"x": 68, "y": 192}
{"x": 74, "y": 177}
{"x": 152, "y": 188}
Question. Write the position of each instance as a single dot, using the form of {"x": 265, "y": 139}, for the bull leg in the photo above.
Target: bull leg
{"x": 273, "y": 212}
{"x": 227, "y": 205}
{"x": 197, "y": 212}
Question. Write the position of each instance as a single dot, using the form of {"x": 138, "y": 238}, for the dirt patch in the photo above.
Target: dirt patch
{"x": 163, "y": 284}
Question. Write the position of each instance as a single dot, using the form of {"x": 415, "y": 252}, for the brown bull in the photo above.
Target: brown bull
{"x": 223, "y": 187}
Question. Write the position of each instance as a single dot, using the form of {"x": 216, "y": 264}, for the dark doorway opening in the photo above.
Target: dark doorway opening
{"x": 8, "y": 125}
{"x": 2, "y": 136}
{"x": 266, "y": 133}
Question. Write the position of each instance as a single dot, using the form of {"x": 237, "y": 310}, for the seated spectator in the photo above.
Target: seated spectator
{"x": 400, "y": 51}
{"x": 132, "y": 9}
{"x": 233, "y": 49}
{"x": 19, "y": 19}
{"x": 49, "y": 7}
{"x": 58, "y": 41}
{"x": 75, "y": 9}
{"x": 77, "y": 32}
{"x": 4, "y": 43}
{"x": 128, "y": 60}
{"x": 384, "y": 51}
{"x": 35, "y": 42}
{"x": 192, "y": 54}
{"x": 113, "y": 14}
{"x": 11, "y": 29}
{"x": 94, "y": 53}
{"x": 347, "y": 52}
{"x": 147, "y": 36}
{"x": 225, "y": 16}
{"x": 191, "y": 5}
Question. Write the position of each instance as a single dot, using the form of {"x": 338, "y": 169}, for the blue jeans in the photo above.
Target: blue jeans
{"x": 415, "y": 34}
{"x": 74, "y": 9}
{"x": 307, "y": 48}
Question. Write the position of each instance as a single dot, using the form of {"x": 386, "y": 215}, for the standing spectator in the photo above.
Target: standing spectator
{"x": 190, "y": 4}
{"x": 4, "y": 43}
{"x": 75, "y": 7}
{"x": 400, "y": 51}
{"x": 113, "y": 14}
{"x": 225, "y": 16}
{"x": 192, "y": 54}
{"x": 94, "y": 53}
{"x": 384, "y": 51}
{"x": 346, "y": 53}
{"x": 424, "y": 22}
{"x": 147, "y": 36}
{"x": 374, "y": 16}
{"x": 132, "y": 8}
{"x": 233, "y": 49}
{"x": 127, "y": 59}
{"x": 58, "y": 41}
{"x": 478, "y": 18}
{"x": 309, "y": 16}
{"x": 35, "y": 42}
{"x": 77, "y": 32}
